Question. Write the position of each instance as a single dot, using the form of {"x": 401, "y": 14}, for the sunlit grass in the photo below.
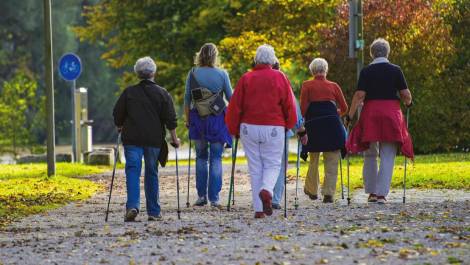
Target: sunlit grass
{"x": 26, "y": 189}
{"x": 442, "y": 171}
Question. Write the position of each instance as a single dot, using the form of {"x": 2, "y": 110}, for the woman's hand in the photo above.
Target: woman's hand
{"x": 304, "y": 139}
{"x": 175, "y": 142}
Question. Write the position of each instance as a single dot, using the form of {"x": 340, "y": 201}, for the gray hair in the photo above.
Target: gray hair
{"x": 265, "y": 55}
{"x": 379, "y": 48}
{"x": 145, "y": 68}
{"x": 318, "y": 66}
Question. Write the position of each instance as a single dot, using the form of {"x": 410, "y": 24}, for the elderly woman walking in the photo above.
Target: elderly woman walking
{"x": 322, "y": 102}
{"x": 206, "y": 124}
{"x": 142, "y": 113}
{"x": 381, "y": 128}
{"x": 260, "y": 111}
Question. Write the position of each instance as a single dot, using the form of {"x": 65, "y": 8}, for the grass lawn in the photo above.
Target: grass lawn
{"x": 439, "y": 171}
{"x": 26, "y": 189}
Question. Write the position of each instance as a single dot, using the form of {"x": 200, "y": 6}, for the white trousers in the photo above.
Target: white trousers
{"x": 378, "y": 181}
{"x": 264, "y": 147}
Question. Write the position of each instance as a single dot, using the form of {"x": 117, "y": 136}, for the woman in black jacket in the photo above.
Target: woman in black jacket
{"x": 142, "y": 113}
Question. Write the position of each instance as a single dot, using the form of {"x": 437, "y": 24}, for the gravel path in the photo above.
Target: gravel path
{"x": 432, "y": 228}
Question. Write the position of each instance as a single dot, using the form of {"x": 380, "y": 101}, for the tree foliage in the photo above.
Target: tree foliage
{"x": 168, "y": 31}
{"x": 22, "y": 50}
{"x": 421, "y": 43}
{"x": 21, "y": 110}
{"x": 429, "y": 40}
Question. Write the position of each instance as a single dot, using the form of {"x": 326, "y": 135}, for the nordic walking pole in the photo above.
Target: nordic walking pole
{"x": 286, "y": 156}
{"x": 189, "y": 174}
{"x": 177, "y": 182}
{"x": 296, "y": 200}
{"x": 341, "y": 174}
{"x": 232, "y": 175}
{"x": 404, "y": 175}
{"x": 347, "y": 163}
{"x": 116, "y": 155}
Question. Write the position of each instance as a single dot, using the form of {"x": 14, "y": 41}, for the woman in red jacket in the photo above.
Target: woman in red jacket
{"x": 261, "y": 109}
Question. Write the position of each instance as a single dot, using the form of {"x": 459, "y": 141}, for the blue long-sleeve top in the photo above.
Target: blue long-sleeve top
{"x": 299, "y": 123}
{"x": 212, "y": 78}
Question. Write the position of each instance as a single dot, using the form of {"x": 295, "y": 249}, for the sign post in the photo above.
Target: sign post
{"x": 49, "y": 77}
{"x": 70, "y": 68}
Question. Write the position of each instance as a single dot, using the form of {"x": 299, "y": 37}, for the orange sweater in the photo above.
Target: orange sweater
{"x": 321, "y": 89}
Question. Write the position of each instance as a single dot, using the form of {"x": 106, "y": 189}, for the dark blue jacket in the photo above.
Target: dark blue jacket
{"x": 324, "y": 128}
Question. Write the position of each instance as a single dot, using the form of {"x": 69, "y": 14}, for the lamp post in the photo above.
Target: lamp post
{"x": 49, "y": 77}
{"x": 356, "y": 36}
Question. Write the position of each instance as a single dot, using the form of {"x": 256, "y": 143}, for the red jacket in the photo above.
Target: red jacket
{"x": 262, "y": 97}
{"x": 380, "y": 121}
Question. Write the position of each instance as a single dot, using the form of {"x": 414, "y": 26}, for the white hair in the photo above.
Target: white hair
{"x": 318, "y": 66}
{"x": 379, "y": 48}
{"x": 265, "y": 55}
{"x": 145, "y": 68}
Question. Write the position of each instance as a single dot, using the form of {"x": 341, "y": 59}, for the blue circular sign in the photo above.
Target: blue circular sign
{"x": 70, "y": 66}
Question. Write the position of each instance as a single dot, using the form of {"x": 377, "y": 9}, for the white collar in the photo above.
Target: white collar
{"x": 380, "y": 60}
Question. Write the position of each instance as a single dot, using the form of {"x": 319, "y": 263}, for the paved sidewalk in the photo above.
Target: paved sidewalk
{"x": 432, "y": 228}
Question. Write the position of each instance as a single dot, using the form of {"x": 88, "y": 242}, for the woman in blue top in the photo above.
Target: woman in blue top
{"x": 279, "y": 187}
{"x": 209, "y": 133}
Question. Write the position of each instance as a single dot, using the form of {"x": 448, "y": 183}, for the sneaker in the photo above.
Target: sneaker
{"x": 276, "y": 206}
{"x": 155, "y": 217}
{"x": 327, "y": 199}
{"x": 266, "y": 198}
{"x": 259, "y": 215}
{"x": 372, "y": 198}
{"x": 381, "y": 199}
{"x": 131, "y": 214}
{"x": 216, "y": 205}
{"x": 201, "y": 201}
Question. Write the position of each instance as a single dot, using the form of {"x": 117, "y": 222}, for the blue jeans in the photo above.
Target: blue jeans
{"x": 209, "y": 182}
{"x": 279, "y": 187}
{"x": 133, "y": 170}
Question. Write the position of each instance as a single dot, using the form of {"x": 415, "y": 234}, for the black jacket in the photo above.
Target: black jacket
{"x": 144, "y": 110}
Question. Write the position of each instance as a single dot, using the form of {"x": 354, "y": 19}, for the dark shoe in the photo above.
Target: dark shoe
{"x": 259, "y": 215}
{"x": 327, "y": 199}
{"x": 155, "y": 217}
{"x": 276, "y": 206}
{"x": 313, "y": 197}
{"x": 381, "y": 199}
{"x": 201, "y": 201}
{"x": 266, "y": 198}
{"x": 372, "y": 198}
{"x": 131, "y": 214}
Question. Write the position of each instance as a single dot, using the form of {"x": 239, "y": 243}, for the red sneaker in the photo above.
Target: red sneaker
{"x": 259, "y": 215}
{"x": 266, "y": 198}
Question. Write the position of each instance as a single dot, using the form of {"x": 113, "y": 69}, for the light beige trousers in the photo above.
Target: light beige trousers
{"x": 312, "y": 182}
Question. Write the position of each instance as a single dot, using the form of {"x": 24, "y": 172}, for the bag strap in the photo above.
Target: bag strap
{"x": 193, "y": 83}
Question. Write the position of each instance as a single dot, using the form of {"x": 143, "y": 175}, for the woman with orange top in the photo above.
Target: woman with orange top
{"x": 322, "y": 102}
